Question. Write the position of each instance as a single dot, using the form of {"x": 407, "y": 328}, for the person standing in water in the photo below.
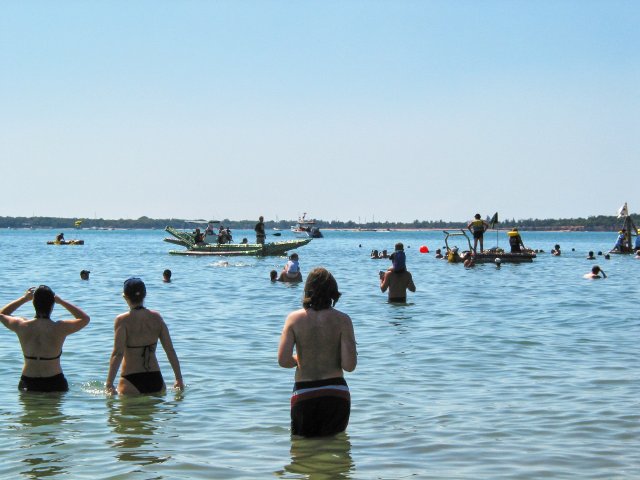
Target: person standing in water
{"x": 41, "y": 338}
{"x": 136, "y": 337}
{"x": 325, "y": 346}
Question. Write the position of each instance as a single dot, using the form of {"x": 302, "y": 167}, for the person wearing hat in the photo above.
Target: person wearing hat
{"x": 136, "y": 337}
{"x": 636, "y": 245}
{"x": 515, "y": 241}
{"x": 41, "y": 338}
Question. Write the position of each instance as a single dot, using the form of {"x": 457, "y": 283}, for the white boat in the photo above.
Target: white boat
{"x": 306, "y": 228}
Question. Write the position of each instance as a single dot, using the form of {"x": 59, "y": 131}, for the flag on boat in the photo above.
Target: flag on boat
{"x": 623, "y": 211}
{"x": 494, "y": 220}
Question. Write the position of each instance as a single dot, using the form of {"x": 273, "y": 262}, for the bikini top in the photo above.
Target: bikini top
{"x": 147, "y": 350}
{"x": 43, "y": 358}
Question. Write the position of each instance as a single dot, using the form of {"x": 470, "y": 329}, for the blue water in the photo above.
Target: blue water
{"x": 523, "y": 372}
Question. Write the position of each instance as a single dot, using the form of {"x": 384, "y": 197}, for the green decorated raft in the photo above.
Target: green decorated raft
{"x": 187, "y": 240}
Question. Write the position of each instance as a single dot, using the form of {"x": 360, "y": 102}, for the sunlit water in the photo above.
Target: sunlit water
{"x": 524, "y": 372}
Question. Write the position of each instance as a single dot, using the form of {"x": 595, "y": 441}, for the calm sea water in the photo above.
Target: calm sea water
{"x": 524, "y": 372}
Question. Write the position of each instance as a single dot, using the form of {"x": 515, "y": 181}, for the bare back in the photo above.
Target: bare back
{"x": 41, "y": 339}
{"x": 324, "y": 341}
{"x": 136, "y": 331}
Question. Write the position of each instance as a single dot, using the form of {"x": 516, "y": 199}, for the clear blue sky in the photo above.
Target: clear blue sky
{"x": 393, "y": 110}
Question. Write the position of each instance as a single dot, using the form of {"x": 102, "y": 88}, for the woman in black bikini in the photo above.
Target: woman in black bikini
{"x": 41, "y": 338}
{"x": 136, "y": 337}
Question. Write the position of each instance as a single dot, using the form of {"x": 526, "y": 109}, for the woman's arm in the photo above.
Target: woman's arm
{"x": 172, "y": 356}
{"x": 5, "y": 313}
{"x": 80, "y": 321}
{"x": 119, "y": 344}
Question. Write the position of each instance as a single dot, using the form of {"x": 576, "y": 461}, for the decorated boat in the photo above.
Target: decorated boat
{"x": 486, "y": 256}
{"x": 187, "y": 240}
{"x": 306, "y": 228}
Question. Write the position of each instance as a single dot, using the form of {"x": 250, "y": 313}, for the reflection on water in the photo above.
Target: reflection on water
{"x": 135, "y": 421}
{"x": 321, "y": 458}
{"x": 43, "y": 422}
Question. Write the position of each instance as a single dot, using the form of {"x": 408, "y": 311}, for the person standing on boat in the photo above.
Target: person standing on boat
{"x": 477, "y": 227}
{"x": 136, "y": 337}
{"x": 325, "y": 347}
{"x": 41, "y": 338}
{"x": 259, "y": 229}
{"x": 515, "y": 241}
{"x": 619, "y": 246}
{"x": 636, "y": 245}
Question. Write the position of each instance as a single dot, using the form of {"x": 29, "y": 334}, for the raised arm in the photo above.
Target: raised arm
{"x": 172, "y": 356}
{"x": 5, "y": 313}
{"x": 80, "y": 321}
{"x": 384, "y": 281}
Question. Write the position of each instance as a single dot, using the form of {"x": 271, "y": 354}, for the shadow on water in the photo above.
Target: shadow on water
{"x": 135, "y": 421}
{"x": 43, "y": 421}
{"x": 320, "y": 458}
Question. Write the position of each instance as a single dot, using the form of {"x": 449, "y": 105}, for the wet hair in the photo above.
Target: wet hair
{"x": 320, "y": 290}
{"x": 399, "y": 246}
{"x": 273, "y": 275}
{"x": 293, "y": 256}
{"x": 134, "y": 289}
{"x": 43, "y": 301}
{"x": 595, "y": 269}
{"x": 167, "y": 274}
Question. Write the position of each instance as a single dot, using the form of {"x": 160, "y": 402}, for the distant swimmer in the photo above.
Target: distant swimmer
{"x": 325, "y": 346}
{"x": 439, "y": 253}
{"x": 42, "y": 339}
{"x": 84, "y": 274}
{"x": 477, "y": 227}
{"x": 556, "y": 251}
{"x": 595, "y": 273}
{"x": 273, "y": 275}
{"x": 136, "y": 335}
{"x": 498, "y": 262}
{"x": 591, "y": 256}
{"x": 166, "y": 276}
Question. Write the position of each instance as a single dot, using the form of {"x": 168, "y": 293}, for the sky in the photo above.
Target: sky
{"x": 347, "y": 110}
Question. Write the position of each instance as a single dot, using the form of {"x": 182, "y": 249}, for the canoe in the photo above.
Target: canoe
{"x": 66, "y": 242}
{"x": 233, "y": 249}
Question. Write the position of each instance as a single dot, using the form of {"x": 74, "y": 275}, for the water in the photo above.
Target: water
{"x": 525, "y": 372}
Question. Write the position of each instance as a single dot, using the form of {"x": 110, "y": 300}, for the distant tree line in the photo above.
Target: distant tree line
{"x": 593, "y": 223}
